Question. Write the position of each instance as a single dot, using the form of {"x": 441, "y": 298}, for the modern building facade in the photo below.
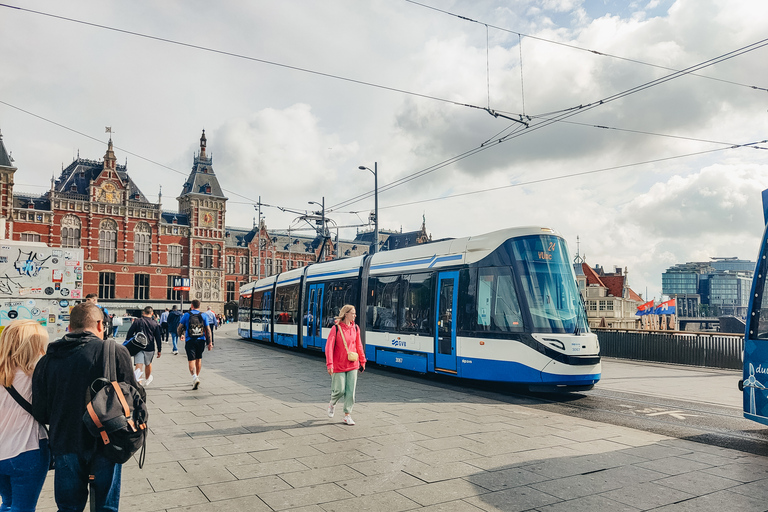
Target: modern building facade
{"x": 710, "y": 289}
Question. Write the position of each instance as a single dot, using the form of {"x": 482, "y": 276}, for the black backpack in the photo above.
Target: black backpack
{"x": 196, "y": 326}
{"x": 116, "y": 414}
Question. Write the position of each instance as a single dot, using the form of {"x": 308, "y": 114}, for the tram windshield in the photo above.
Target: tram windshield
{"x": 758, "y": 328}
{"x": 549, "y": 284}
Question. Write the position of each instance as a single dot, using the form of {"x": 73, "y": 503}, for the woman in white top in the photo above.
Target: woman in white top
{"x": 24, "y": 453}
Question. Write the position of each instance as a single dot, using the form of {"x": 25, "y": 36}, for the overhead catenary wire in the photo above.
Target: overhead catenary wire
{"x": 546, "y": 121}
{"x": 576, "y": 174}
{"x": 245, "y": 57}
{"x": 579, "y": 48}
{"x": 509, "y": 136}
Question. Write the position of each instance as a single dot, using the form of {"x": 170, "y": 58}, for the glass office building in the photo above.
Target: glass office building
{"x": 716, "y": 288}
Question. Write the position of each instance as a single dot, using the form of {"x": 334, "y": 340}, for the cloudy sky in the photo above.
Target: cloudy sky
{"x": 620, "y": 149}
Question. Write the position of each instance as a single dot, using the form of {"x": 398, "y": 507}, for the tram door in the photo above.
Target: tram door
{"x": 313, "y": 320}
{"x": 445, "y": 334}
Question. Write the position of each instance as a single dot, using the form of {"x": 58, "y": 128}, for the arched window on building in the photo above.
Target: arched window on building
{"x": 142, "y": 244}
{"x": 108, "y": 241}
{"x": 206, "y": 256}
{"x": 70, "y": 231}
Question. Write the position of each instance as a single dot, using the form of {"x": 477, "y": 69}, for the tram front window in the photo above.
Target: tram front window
{"x": 549, "y": 284}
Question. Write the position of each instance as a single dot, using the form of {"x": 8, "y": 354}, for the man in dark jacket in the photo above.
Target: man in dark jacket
{"x": 151, "y": 329}
{"x": 59, "y": 387}
{"x": 173, "y": 323}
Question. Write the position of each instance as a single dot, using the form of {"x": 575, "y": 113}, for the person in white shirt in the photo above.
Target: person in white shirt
{"x": 24, "y": 452}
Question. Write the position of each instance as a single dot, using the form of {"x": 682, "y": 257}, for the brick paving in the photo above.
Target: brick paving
{"x": 256, "y": 437}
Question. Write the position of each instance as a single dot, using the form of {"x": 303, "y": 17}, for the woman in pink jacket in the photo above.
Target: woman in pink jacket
{"x": 344, "y": 356}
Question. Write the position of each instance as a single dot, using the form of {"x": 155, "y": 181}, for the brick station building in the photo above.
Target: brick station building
{"x": 134, "y": 249}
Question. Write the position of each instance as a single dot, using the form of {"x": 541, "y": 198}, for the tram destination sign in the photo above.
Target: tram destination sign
{"x": 181, "y": 284}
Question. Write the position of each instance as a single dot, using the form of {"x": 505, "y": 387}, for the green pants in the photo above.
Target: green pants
{"x": 343, "y": 385}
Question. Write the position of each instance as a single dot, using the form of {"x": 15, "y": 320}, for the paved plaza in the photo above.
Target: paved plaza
{"x": 256, "y": 437}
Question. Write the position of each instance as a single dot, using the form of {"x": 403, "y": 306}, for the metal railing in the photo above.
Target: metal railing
{"x": 714, "y": 350}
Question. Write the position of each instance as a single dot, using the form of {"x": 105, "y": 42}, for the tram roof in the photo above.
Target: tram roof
{"x": 451, "y": 252}
{"x": 348, "y": 267}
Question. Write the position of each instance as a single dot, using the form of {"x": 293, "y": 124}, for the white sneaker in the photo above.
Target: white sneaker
{"x": 348, "y": 420}
{"x": 195, "y": 382}
{"x": 175, "y": 352}
{"x": 149, "y": 380}
{"x": 331, "y": 409}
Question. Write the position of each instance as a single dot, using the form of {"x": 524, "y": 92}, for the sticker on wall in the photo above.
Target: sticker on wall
{"x": 57, "y": 252}
{"x": 65, "y": 292}
{"x": 64, "y": 303}
{"x": 54, "y": 260}
{"x": 13, "y": 314}
{"x": 31, "y": 303}
{"x": 35, "y": 312}
{"x": 49, "y": 290}
{"x": 57, "y": 275}
{"x": 76, "y": 294}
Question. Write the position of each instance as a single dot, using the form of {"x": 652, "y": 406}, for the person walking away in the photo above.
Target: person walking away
{"x": 24, "y": 451}
{"x": 94, "y": 299}
{"x": 213, "y": 322}
{"x": 194, "y": 329}
{"x": 59, "y": 386}
{"x": 164, "y": 324}
{"x": 344, "y": 357}
{"x": 173, "y": 324}
{"x": 143, "y": 360}
{"x": 117, "y": 321}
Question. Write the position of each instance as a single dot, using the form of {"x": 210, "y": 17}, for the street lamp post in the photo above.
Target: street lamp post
{"x": 322, "y": 205}
{"x": 375, "y": 172}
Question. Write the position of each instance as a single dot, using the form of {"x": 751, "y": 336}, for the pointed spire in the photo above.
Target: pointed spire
{"x": 110, "y": 161}
{"x": 203, "y": 142}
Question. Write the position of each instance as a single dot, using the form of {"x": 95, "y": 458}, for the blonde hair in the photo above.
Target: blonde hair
{"x": 21, "y": 345}
{"x": 346, "y": 308}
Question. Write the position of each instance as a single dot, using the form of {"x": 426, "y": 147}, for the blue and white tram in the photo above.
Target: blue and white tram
{"x": 503, "y": 306}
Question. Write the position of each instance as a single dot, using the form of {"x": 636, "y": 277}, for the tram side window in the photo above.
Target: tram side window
{"x": 758, "y": 328}
{"x": 383, "y": 303}
{"x": 417, "y": 303}
{"x": 287, "y": 305}
{"x": 337, "y": 294}
{"x": 256, "y": 311}
{"x": 497, "y": 306}
{"x": 244, "y": 308}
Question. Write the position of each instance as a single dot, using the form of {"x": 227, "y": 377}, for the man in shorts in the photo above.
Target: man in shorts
{"x": 143, "y": 360}
{"x": 194, "y": 329}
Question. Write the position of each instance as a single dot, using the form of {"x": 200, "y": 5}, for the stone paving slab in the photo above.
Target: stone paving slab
{"x": 256, "y": 437}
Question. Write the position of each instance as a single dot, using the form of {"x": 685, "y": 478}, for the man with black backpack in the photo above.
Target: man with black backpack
{"x": 194, "y": 329}
{"x": 143, "y": 359}
{"x": 60, "y": 386}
